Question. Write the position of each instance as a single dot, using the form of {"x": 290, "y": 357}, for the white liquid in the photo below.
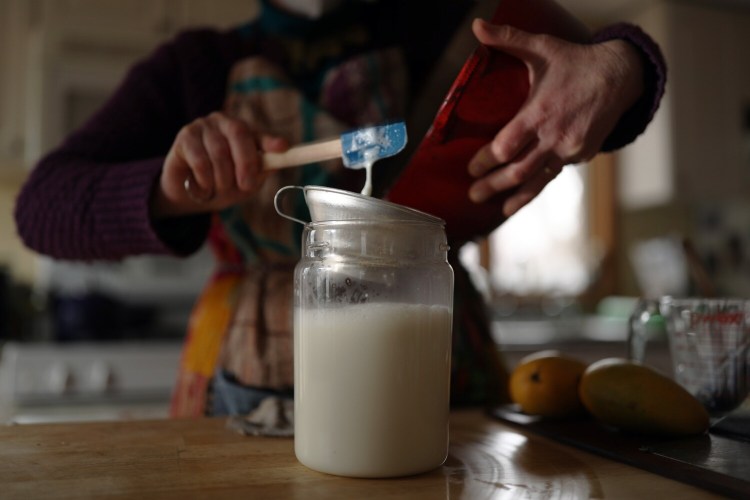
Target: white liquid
{"x": 372, "y": 384}
{"x": 370, "y": 157}
{"x": 367, "y": 188}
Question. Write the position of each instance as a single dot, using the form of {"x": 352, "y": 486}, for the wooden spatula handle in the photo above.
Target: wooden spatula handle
{"x": 303, "y": 154}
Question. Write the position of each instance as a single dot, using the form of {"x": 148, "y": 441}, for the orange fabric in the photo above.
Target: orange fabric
{"x": 189, "y": 398}
{"x": 207, "y": 329}
{"x": 208, "y": 324}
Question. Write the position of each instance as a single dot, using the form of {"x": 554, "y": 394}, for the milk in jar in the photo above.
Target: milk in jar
{"x": 372, "y": 388}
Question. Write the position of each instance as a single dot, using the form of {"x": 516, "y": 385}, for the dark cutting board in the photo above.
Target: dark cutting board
{"x": 719, "y": 462}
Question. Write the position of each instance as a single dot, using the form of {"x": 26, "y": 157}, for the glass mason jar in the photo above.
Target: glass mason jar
{"x": 372, "y": 347}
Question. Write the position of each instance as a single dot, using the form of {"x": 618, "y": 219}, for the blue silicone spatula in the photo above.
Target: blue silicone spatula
{"x": 356, "y": 148}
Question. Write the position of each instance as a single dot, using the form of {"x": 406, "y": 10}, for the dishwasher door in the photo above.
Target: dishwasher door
{"x": 49, "y": 382}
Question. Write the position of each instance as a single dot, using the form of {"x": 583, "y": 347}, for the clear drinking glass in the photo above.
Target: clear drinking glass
{"x": 709, "y": 341}
{"x": 646, "y": 325}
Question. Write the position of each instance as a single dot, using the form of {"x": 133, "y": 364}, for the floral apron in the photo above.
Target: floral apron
{"x": 242, "y": 322}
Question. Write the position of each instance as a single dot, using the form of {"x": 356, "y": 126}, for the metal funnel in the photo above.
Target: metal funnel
{"x": 330, "y": 204}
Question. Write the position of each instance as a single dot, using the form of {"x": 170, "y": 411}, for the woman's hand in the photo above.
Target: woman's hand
{"x": 214, "y": 162}
{"x": 576, "y": 96}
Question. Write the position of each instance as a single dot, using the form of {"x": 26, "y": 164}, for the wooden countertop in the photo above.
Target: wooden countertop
{"x": 202, "y": 459}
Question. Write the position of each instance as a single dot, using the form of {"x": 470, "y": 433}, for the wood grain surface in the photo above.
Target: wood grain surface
{"x": 202, "y": 459}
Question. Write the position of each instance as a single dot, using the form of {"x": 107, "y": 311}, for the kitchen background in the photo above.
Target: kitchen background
{"x": 101, "y": 340}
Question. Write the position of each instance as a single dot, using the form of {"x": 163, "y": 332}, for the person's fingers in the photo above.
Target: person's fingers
{"x": 193, "y": 155}
{"x": 506, "y": 38}
{"x": 273, "y": 144}
{"x": 509, "y": 176}
{"x": 220, "y": 153}
{"x": 244, "y": 153}
{"x": 507, "y": 145}
{"x": 531, "y": 189}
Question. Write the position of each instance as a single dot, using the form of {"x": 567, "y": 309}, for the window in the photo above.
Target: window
{"x": 555, "y": 245}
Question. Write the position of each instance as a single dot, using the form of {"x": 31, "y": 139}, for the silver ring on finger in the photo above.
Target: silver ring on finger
{"x": 194, "y": 195}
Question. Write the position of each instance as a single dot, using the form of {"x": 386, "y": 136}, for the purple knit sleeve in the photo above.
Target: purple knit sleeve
{"x": 89, "y": 198}
{"x": 635, "y": 120}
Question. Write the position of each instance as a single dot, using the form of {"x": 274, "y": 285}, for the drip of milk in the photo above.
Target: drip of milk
{"x": 371, "y": 142}
{"x": 372, "y": 385}
{"x": 369, "y": 161}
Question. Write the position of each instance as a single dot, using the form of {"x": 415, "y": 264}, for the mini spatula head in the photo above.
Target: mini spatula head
{"x": 367, "y": 145}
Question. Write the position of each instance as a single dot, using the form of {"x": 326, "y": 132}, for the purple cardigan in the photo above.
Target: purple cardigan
{"x": 88, "y": 199}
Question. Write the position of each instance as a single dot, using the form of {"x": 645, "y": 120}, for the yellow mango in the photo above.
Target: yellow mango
{"x": 546, "y": 384}
{"x": 636, "y": 398}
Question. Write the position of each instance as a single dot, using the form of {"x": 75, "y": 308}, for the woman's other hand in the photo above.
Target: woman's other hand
{"x": 214, "y": 162}
{"x": 577, "y": 94}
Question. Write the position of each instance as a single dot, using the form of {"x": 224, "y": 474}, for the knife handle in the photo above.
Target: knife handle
{"x": 304, "y": 153}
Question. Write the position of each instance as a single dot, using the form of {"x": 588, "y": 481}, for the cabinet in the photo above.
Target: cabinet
{"x": 696, "y": 148}
{"x": 14, "y": 24}
{"x": 61, "y": 58}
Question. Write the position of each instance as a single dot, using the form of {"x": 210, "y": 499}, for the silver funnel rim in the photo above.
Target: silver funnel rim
{"x": 328, "y": 204}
